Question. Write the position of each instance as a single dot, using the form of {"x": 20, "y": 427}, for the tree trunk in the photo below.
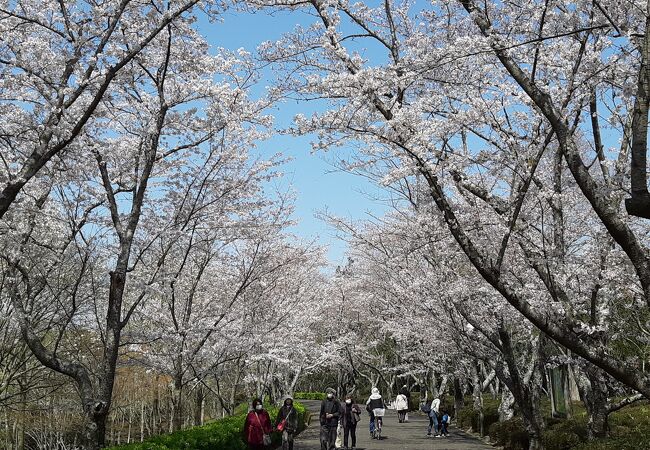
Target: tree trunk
{"x": 199, "y": 410}
{"x": 443, "y": 386}
{"x": 477, "y": 395}
{"x": 593, "y": 390}
{"x": 506, "y": 407}
{"x": 95, "y": 429}
{"x": 639, "y": 202}
{"x": 525, "y": 389}
{"x": 459, "y": 400}
{"x": 434, "y": 385}
{"x": 177, "y": 402}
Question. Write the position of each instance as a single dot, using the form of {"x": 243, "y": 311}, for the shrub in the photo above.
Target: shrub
{"x": 636, "y": 440}
{"x": 560, "y": 440}
{"x": 309, "y": 396}
{"x": 469, "y": 418}
{"x": 511, "y": 434}
{"x": 223, "y": 434}
{"x": 629, "y": 429}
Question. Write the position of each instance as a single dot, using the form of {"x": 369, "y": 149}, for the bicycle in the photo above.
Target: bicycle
{"x": 379, "y": 421}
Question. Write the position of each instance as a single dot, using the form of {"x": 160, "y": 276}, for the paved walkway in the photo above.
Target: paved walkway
{"x": 395, "y": 435}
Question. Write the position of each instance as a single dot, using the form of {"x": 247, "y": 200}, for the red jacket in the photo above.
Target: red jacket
{"x": 255, "y": 429}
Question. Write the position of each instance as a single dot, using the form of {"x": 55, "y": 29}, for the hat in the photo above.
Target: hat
{"x": 329, "y": 390}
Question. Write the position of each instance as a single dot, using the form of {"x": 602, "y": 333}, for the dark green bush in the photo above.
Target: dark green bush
{"x": 560, "y": 440}
{"x": 511, "y": 434}
{"x": 576, "y": 426}
{"x": 223, "y": 434}
{"x": 469, "y": 418}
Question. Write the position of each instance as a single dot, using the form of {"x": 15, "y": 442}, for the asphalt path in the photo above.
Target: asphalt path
{"x": 395, "y": 435}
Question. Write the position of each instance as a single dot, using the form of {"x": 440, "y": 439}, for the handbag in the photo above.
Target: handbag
{"x": 283, "y": 423}
{"x": 266, "y": 438}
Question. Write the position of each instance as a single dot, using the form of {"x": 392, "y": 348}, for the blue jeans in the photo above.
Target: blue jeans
{"x": 433, "y": 423}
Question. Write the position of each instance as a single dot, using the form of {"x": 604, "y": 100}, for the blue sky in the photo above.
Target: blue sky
{"x": 317, "y": 185}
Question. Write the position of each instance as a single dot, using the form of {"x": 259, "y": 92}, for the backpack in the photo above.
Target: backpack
{"x": 425, "y": 408}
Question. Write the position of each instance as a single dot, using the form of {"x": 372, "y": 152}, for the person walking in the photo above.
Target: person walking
{"x": 374, "y": 405}
{"x": 288, "y": 415}
{"x": 402, "y": 407}
{"x": 257, "y": 427}
{"x": 444, "y": 424}
{"x": 350, "y": 417}
{"x": 434, "y": 415}
{"x": 407, "y": 393}
{"x": 330, "y": 412}
{"x": 426, "y": 408}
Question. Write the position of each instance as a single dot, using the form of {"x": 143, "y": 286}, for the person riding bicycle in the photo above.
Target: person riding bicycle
{"x": 376, "y": 407}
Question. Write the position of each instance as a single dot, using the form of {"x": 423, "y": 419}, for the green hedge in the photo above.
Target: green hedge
{"x": 223, "y": 434}
{"x": 309, "y": 396}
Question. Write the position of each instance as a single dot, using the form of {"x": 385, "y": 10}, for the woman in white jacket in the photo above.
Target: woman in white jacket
{"x": 402, "y": 406}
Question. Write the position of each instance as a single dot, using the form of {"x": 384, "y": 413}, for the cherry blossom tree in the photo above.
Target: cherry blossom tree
{"x": 58, "y": 61}
{"x": 167, "y": 144}
{"x": 497, "y": 119}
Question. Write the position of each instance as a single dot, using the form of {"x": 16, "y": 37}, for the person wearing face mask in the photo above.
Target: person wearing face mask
{"x": 330, "y": 411}
{"x": 258, "y": 428}
{"x": 350, "y": 417}
{"x": 289, "y": 413}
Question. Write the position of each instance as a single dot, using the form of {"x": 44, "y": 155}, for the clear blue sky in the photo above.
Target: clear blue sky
{"x": 317, "y": 185}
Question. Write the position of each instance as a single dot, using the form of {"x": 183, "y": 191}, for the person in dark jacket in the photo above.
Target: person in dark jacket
{"x": 330, "y": 413}
{"x": 288, "y": 412}
{"x": 258, "y": 423}
{"x": 350, "y": 416}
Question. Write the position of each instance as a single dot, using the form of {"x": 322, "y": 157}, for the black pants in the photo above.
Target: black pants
{"x": 350, "y": 430}
{"x": 327, "y": 437}
{"x": 287, "y": 440}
